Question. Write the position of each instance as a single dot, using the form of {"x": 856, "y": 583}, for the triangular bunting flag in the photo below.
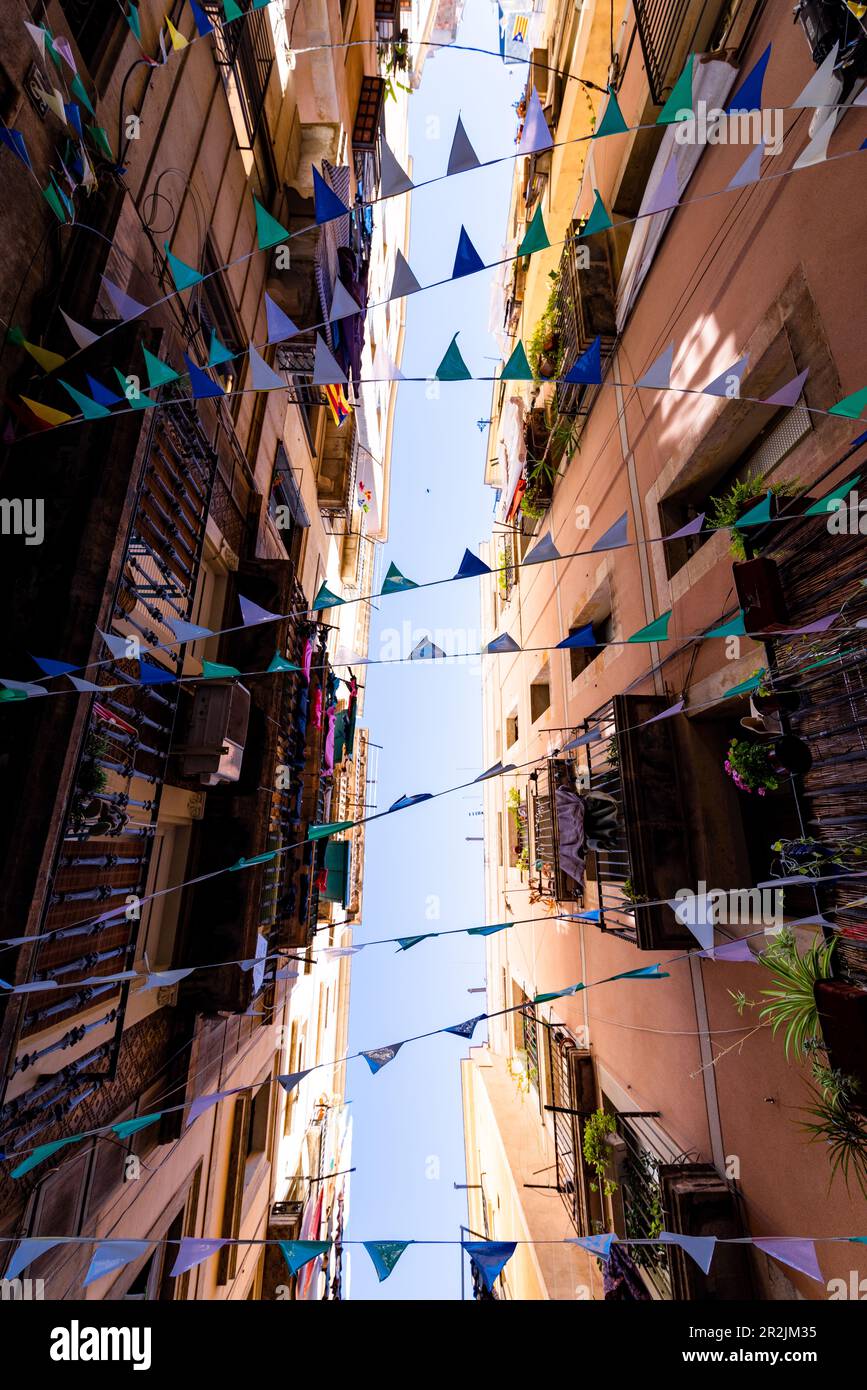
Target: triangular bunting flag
{"x": 406, "y": 943}
{"x": 697, "y": 913}
{"x": 658, "y": 375}
{"x": 193, "y": 1251}
{"x": 733, "y": 628}
{"x": 343, "y": 305}
{"x": 217, "y": 352}
{"x": 83, "y": 336}
{"x": 825, "y": 506}
{"x": 583, "y": 637}
{"x": 462, "y": 156}
{"x": 201, "y": 385}
{"x": 159, "y": 372}
{"x": 289, "y": 1080}
{"x": 598, "y": 221}
{"x": 53, "y": 668}
{"x": 665, "y": 195}
{"x": 298, "y": 1253}
{"x": 395, "y": 582}
{"x": 385, "y": 1254}
{"x": 401, "y": 805}
{"x": 379, "y": 1057}
{"x": 89, "y": 408}
{"x": 113, "y": 1255}
{"x": 748, "y": 96}
{"x": 125, "y": 1128}
{"x": 124, "y": 305}
{"x": 789, "y": 394}
{"x": 326, "y": 369}
{"x": 757, "y": 515}
{"x": 467, "y": 258}
{"x": 587, "y": 371}
{"x": 701, "y": 1248}
{"x": 217, "y": 670}
{"x": 47, "y": 360}
{"x": 817, "y": 150}
{"x": 679, "y": 104}
{"x": 187, "y": 632}
{"x": 797, "y": 1254}
{"x": 723, "y": 384}
{"x": 822, "y": 88}
{"x": 467, "y": 1028}
{"x": 280, "y": 326}
{"x": 263, "y": 377}
{"x": 535, "y": 238}
{"x": 404, "y": 281}
{"x": 231, "y": 11}
{"x": 183, "y": 275}
{"x": 29, "y": 1250}
{"x": 326, "y": 202}
{"x": 597, "y": 1245}
{"x": 325, "y": 599}
{"x": 505, "y": 643}
{"x": 178, "y": 40}
{"x": 392, "y": 178}
{"x": 490, "y": 1257}
{"x": 79, "y": 91}
{"x": 46, "y": 413}
{"x": 453, "y": 367}
{"x": 657, "y": 631}
{"x": 517, "y": 368}
{"x": 751, "y": 169}
{"x": 251, "y": 613}
{"x": 102, "y": 394}
{"x": 42, "y": 1151}
{"x": 154, "y": 675}
{"x": 15, "y": 142}
{"x": 203, "y": 24}
{"x": 493, "y": 927}
{"x": 612, "y": 122}
{"x": 615, "y": 537}
{"x": 852, "y": 407}
{"x": 535, "y": 135}
{"x": 471, "y": 566}
{"x": 543, "y": 550}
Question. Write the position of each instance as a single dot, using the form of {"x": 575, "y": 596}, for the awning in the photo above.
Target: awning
{"x": 338, "y": 855}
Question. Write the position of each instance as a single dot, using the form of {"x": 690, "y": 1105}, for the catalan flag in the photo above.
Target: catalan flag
{"x": 338, "y": 404}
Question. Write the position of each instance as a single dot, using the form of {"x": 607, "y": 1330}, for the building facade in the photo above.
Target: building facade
{"x": 168, "y": 515}
{"x": 670, "y": 1104}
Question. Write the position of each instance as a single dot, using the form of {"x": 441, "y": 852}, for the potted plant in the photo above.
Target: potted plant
{"x": 741, "y": 497}
{"x": 751, "y": 768}
{"x": 792, "y": 999}
{"x": 597, "y": 1152}
{"x": 835, "y": 1122}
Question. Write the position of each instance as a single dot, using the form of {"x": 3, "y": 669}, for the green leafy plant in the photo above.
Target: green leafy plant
{"x": 523, "y": 861}
{"x": 630, "y": 892}
{"x": 837, "y": 1124}
{"x": 544, "y": 331}
{"x": 612, "y": 752}
{"x": 533, "y": 509}
{"x": 726, "y": 510}
{"x": 750, "y": 768}
{"x": 792, "y": 1003}
{"x": 597, "y": 1152}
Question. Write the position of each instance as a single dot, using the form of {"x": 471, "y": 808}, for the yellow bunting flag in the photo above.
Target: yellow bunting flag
{"x": 47, "y": 360}
{"x": 178, "y": 40}
{"x": 46, "y": 412}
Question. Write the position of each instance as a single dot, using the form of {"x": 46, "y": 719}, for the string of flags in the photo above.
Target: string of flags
{"x": 698, "y": 916}
{"x": 544, "y": 551}
{"x": 490, "y": 1257}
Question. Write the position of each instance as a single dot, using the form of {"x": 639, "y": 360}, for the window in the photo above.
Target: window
{"x": 582, "y": 657}
{"x": 244, "y": 54}
{"x": 257, "y": 1130}
{"x": 286, "y": 507}
{"x": 512, "y": 730}
{"x": 215, "y": 315}
{"x": 92, "y": 24}
{"x": 540, "y": 696}
{"x": 754, "y": 463}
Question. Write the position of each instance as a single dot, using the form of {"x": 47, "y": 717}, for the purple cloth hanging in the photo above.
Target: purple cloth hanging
{"x": 570, "y": 825}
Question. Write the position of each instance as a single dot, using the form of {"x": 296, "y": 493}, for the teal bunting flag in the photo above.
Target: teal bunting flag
{"x": 395, "y": 582}
{"x": 518, "y": 367}
{"x": 325, "y": 599}
{"x": 279, "y": 663}
{"x": 298, "y": 1253}
{"x": 598, "y": 221}
{"x": 678, "y": 107}
{"x": 184, "y": 276}
{"x": 90, "y": 410}
{"x": 385, "y": 1254}
{"x": 217, "y": 670}
{"x": 612, "y": 122}
{"x": 453, "y": 367}
{"x": 657, "y": 631}
{"x": 757, "y": 515}
{"x": 159, "y": 372}
{"x": 535, "y": 238}
{"x": 733, "y": 628}
{"x": 269, "y": 232}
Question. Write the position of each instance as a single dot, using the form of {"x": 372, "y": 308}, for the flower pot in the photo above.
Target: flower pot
{"x": 843, "y": 1016}
{"x": 778, "y": 701}
{"x": 547, "y": 366}
{"x": 792, "y": 754}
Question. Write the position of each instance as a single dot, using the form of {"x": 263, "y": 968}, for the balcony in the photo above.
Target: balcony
{"x": 582, "y": 310}
{"x": 335, "y": 478}
{"x": 649, "y": 857}
{"x": 548, "y": 859}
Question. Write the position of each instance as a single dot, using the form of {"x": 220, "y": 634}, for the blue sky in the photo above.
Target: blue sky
{"x": 407, "y": 1128}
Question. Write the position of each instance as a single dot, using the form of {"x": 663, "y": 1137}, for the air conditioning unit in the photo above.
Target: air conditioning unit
{"x": 214, "y": 749}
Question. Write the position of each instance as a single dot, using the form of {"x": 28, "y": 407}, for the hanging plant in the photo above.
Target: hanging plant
{"x": 750, "y": 767}
{"x": 597, "y": 1151}
{"x": 792, "y": 1002}
{"x": 842, "y": 1129}
{"x": 726, "y": 511}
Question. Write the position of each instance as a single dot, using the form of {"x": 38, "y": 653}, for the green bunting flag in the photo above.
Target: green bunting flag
{"x": 453, "y": 367}
{"x": 243, "y": 863}
{"x": 612, "y": 122}
{"x": 657, "y": 631}
{"x": 183, "y": 275}
{"x": 598, "y": 221}
{"x": 159, "y": 373}
{"x": 745, "y": 687}
{"x": 54, "y": 203}
{"x": 79, "y": 91}
{"x": 395, "y": 582}
{"x": 101, "y": 140}
{"x": 678, "y": 107}
{"x": 133, "y": 20}
{"x": 321, "y": 832}
{"x": 138, "y": 400}
{"x": 215, "y": 670}
{"x": 852, "y": 407}
{"x": 825, "y": 504}
{"x": 385, "y": 1255}
{"x": 217, "y": 352}
{"x": 279, "y": 663}
{"x": 231, "y": 11}
{"x": 298, "y": 1253}
{"x": 757, "y": 515}
{"x": 269, "y": 232}
{"x": 325, "y": 599}
{"x": 517, "y": 368}
{"x": 124, "y": 1128}
{"x": 535, "y": 237}
{"x": 89, "y": 408}
{"x": 733, "y": 628}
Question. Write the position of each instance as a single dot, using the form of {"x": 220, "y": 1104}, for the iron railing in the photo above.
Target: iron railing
{"x": 660, "y": 25}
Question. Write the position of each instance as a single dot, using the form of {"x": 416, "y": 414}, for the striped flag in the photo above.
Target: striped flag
{"x": 109, "y": 717}
{"x": 338, "y": 404}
